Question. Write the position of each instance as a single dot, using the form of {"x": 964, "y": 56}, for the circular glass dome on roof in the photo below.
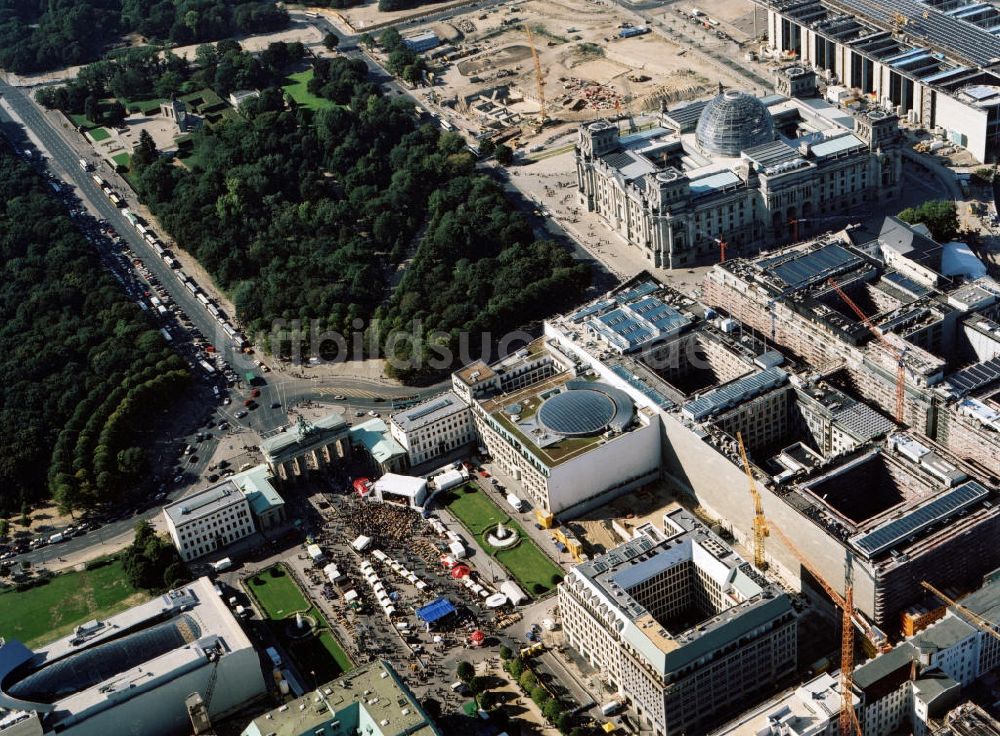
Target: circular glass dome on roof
{"x": 733, "y": 122}
{"x": 577, "y": 413}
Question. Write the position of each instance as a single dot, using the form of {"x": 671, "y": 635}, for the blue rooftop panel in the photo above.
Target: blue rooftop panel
{"x": 734, "y": 393}
{"x": 898, "y": 530}
{"x": 834, "y": 146}
{"x": 713, "y": 182}
{"x": 803, "y": 269}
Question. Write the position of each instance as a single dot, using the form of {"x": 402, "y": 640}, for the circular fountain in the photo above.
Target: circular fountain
{"x": 300, "y": 627}
{"x": 501, "y": 537}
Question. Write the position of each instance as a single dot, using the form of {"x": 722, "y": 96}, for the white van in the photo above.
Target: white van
{"x": 516, "y": 503}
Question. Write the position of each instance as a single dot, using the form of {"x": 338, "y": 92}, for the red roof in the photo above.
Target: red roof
{"x": 460, "y": 571}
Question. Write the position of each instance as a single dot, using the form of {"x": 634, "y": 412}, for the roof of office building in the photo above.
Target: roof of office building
{"x": 430, "y": 411}
{"x": 607, "y": 580}
{"x": 937, "y": 509}
{"x": 634, "y": 323}
{"x": 734, "y": 392}
{"x": 256, "y": 486}
{"x": 205, "y": 502}
{"x": 171, "y": 632}
{"x": 804, "y": 709}
{"x": 986, "y": 601}
{"x": 370, "y": 699}
{"x": 374, "y": 435}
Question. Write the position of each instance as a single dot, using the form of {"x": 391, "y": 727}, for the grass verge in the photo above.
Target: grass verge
{"x": 45, "y": 613}
{"x": 526, "y": 562}
{"x": 280, "y": 597}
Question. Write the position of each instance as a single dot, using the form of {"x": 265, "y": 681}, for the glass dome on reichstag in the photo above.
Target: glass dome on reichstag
{"x": 733, "y": 122}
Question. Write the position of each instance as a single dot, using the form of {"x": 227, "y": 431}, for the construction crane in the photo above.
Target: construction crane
{"x": 970, "y": 616}
{"x": 848, "y": 718}
{"x": 899, "y": 355}
{"x": 539, "y": 79}
{"x": 760, "y": 530}
{"x": 722, "y": 249}
{"x": 875, "y": 636}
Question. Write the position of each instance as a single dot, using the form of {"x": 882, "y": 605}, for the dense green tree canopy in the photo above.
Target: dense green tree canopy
{"x": 303, "y": 216}
{"x": 80, "y": 362}
{"x": 939, "y": 215}
{"x": 38, "y": 35}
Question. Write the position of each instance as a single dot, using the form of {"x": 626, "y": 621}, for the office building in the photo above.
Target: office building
{"x": 923, "y": 298}
{"x": 370, "y": 700}
{"x": 131, "y": 673}
{"x": 735, "y": 171}
{"x": 570, "y": 441}
{"x": 208, "y": 520}
{"x": 811, "y": 709}
{"x": 932, "y": 63}
{"x": 685, "y": 630}
{"x": 434, "y": 428}
{"x": 834, "y": 472}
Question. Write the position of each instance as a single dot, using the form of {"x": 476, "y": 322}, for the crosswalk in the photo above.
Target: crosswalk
{"x": 349, "y": 394}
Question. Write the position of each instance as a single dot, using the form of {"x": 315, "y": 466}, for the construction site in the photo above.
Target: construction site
{"x": 870, "y": 506}
{"x": 560, "y": 62}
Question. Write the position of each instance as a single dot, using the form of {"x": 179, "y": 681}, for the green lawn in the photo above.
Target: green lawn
{"x": 81, "y": 121}
{"x": 526, "y": 561}
{"x": 99, "y": 134}
{"x": 277, "y": 593}
{"x": 297, "y": 88}
{"x": 280, "y": 596}
{"x": 475, "y": 510}
{"x": 45, "y": 613}
{"x": 122, "y": 159}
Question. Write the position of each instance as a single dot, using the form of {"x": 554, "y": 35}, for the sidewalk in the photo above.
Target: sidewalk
{"x": 542, "y": 537}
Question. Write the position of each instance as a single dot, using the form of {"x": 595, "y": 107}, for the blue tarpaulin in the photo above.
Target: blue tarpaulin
{"x": 435, "y": 611}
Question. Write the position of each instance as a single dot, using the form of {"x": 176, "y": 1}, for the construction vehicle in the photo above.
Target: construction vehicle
{"x": 898, "y": 355}
{"x": 539, "y": 78}
{"x": 760, "y": 530}
{"x": 969, "y": 616}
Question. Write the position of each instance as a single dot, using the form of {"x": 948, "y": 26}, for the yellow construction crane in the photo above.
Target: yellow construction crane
{"x": 760, "y": 530}
{"x": 539, "y": 79}
{"x": 971, "y": 617}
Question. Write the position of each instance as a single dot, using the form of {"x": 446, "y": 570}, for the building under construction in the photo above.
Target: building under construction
{"x": 936, "y": 348}
{"x": 857, "y": 495}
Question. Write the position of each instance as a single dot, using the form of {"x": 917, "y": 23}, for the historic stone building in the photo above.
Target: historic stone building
{"x": 736, "y": 172}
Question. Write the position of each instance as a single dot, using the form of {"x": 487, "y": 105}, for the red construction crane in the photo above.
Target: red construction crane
{"x": 897, "y": 354}
{"x": 849, "y": 619}
{"x": 722, "y": 249}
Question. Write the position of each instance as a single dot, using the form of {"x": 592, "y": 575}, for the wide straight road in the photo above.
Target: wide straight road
{"x": 66, "y": 159}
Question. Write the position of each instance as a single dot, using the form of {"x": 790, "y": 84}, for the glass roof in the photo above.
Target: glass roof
{"x": 733, "y": 122}
{"x": 96, "y": 664}
{"x": 579, "y": 412}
